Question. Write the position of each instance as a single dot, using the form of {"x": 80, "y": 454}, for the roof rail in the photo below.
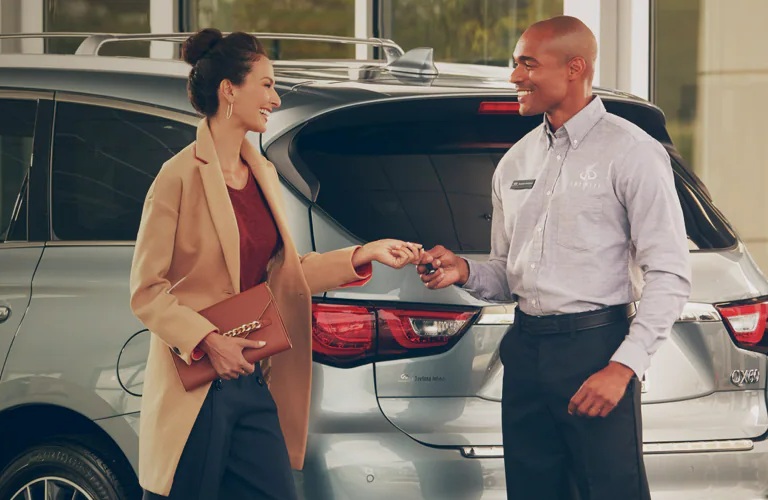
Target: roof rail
{"x": 93, "y": 41}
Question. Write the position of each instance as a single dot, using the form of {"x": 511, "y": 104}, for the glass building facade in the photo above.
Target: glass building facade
{"x": 702, "y": 61}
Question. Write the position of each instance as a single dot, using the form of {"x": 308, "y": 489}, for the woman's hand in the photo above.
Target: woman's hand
{"x": 393, "y": 253}
{"x": 226, "y": 354}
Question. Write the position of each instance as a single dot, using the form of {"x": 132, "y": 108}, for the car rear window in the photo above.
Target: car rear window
{"x": 422, "y": 171}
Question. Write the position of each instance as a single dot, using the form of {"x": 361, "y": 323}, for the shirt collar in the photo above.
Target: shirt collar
{"x": 577, "y": 128}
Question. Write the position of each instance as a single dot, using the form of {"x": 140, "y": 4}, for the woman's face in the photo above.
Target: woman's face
{"x": 255, "y": 99}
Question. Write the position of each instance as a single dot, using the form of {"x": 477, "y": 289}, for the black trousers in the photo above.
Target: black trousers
{"x": 236, "y": 448}
{"x": 549, "y": 454}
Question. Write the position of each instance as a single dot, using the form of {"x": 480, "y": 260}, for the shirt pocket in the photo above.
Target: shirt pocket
{"x": 579, "y": 222}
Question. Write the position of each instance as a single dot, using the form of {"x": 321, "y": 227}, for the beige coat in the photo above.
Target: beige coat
{"x": 187, "y": 257}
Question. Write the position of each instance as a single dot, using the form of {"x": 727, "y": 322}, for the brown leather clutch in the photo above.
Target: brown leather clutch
{"x": 250, "y": 314}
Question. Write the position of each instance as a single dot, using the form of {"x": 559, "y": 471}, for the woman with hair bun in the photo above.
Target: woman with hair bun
{"x": 212, "y": 226}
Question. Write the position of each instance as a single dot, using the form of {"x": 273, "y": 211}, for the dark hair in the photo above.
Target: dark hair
{"x": 214, "y": 58}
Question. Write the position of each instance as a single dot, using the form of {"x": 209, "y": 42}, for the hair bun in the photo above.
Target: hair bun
{"x": 196, "y": 46}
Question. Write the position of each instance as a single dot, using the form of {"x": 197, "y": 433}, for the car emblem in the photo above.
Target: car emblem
{"x": 742, "y": 377}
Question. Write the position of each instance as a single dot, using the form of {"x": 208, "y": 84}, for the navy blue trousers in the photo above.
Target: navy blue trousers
{"x": 236, "y": 448}
{"x": 550, "y": 454}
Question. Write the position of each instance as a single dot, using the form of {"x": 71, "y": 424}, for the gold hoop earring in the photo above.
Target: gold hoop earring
{"x": 229, "y": 110}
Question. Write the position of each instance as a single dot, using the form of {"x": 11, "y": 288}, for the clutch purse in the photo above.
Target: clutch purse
{"x": 250, "y": 314}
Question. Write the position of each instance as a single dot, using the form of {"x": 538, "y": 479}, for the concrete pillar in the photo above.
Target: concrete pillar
{"x": 163, "y": 18}
{"x": 622, "y": 30}
{"x": 363, "y": 27}
{"x": 730, "y": 127}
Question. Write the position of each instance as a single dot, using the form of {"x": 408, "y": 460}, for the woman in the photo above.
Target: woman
{"x": 213, "y": 225}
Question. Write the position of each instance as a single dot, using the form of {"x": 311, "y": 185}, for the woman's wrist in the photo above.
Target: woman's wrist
{"x": 361, "y": 257}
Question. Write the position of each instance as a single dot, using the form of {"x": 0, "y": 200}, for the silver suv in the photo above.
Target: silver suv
{"x": 407, "y": 382}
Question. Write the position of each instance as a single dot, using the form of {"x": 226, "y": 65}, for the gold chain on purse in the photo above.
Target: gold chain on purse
{"x": 242, "y": 329}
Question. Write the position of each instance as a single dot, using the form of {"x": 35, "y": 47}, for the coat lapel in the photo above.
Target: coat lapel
{"x": 219, "y": 204}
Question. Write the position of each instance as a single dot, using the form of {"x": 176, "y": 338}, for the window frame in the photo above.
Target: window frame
{"x": 111, "y": 103}
{"x": 35, "y": 204}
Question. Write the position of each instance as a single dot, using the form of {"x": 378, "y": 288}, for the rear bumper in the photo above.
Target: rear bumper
{"x": 392, "y": 466}
{"x": 710, "y": 475}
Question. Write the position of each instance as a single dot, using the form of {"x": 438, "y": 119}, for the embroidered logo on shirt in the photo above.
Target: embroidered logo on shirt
{"x": 523, "y": 184}
{"x": 588, "y": 177}
{"x": 589, "y": 173}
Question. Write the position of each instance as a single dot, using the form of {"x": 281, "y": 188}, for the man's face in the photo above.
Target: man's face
{"x": 540, "y": 74}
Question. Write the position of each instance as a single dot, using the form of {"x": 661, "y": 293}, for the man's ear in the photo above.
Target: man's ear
{"x": 577, "y": 66}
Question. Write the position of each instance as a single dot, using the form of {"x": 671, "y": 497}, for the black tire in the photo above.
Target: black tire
{"x": 75, "y": 467}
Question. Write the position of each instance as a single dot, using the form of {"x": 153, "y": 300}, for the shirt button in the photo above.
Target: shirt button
{"x": 533, "y": 303}
{"x": 260, "y": 381}
{"x": 558, "y": 157}
{"x": 533, "y": 266}
{"x": 538, "y": 229}
{"x": 549, "y": 193}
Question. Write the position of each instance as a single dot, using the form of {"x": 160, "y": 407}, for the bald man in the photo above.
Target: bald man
{"x": 586, "y": 222}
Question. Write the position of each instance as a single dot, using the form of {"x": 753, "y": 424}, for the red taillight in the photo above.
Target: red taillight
{"x": 342, "y": 333}
{"x": 746, "y": 322}
{"x": 499, "y": 107}
{"x": 402, "y": 330}
{"x": 348, "y": 335}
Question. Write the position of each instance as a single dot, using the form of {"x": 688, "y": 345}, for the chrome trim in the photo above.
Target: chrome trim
{"x": 692, "y": 312}
{"x": 496, "y": 319}
{"x": 129, "y": 106}
{"x": 648, "y": 448}
{"x": 25, "y": 94}
{"x": 21, "y": 244}
{"x": 699, "y": 312}
{"x": 502, "y": 314}
{"x": 698, "y": 446}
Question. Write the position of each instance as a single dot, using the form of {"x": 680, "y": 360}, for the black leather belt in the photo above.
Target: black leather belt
{"x": 560, "y": 323}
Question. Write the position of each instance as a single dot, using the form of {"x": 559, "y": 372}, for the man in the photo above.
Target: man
{"x": 584, "y": 211}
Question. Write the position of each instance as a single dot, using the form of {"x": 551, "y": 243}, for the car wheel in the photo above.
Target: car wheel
{"x": 59, "y": 470}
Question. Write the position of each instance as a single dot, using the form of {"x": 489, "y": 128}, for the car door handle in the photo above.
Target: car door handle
{"x": 4, "y": 313}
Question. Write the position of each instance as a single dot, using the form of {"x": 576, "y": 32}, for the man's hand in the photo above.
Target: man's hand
{"x": 226, "y": 354}
{"x": 447, "y": 268}
{"x": 600, "y": 394}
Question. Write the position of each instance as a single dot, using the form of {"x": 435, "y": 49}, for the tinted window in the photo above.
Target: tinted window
{"x": 429, "y": 179}
{"x": 419, "y": 181}
{"x": 104, "y": 161}
{"x": 706, "y": 226}
{"x": 17, "y": 126}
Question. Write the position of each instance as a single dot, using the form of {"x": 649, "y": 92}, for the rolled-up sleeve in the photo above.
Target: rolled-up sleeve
{"x": 329, "y": 270}
{"x": 645, "y": 186}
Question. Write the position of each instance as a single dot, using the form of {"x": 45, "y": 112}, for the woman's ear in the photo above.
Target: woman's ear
{"x": 227, "y": 90}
